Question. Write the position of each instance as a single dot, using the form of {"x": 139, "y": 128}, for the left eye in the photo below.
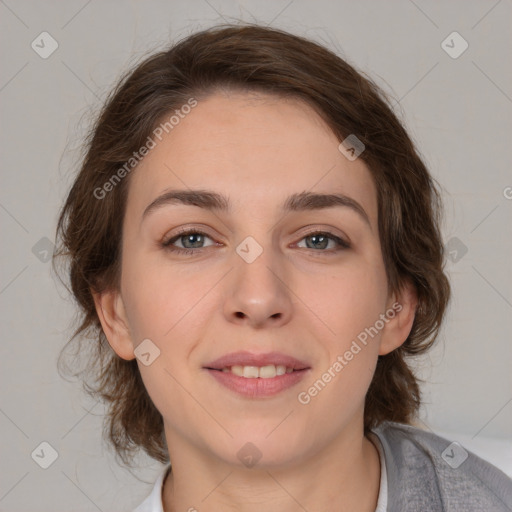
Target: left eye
{"x": 320, "y": 240}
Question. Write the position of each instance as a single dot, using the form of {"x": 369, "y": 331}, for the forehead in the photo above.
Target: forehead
{"x": 256, "y": 149}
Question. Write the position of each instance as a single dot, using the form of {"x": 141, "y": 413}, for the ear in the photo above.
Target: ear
{"x": 401, "y": 312}
{"x": 112, "y": 315}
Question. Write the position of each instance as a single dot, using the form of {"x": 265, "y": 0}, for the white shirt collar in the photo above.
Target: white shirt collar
{"x": 382, "y": 502}
{"x": 154, "y": 502}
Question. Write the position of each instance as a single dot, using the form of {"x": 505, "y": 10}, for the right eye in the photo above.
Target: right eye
{"x": 187, "y": 237}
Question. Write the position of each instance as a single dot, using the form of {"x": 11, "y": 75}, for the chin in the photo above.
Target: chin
{"x": 264, "y": 448}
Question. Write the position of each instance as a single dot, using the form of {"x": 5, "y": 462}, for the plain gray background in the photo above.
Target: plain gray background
{"x": 458, "y": 110}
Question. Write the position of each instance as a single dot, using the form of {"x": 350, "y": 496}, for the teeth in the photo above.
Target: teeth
{"x": 268, "y": 372}
{"x": 253, "y": 372}
{"x": 238, "y": 370}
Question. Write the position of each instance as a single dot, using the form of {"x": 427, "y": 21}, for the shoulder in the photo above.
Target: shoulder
{"x": 428, "y": 472}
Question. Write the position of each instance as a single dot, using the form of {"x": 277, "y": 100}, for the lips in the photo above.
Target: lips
{"x": 245, "y": 358}
{"x": 257, "y": 375}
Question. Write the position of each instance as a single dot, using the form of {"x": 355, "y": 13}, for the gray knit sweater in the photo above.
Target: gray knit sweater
{"x": 427, "y": 473}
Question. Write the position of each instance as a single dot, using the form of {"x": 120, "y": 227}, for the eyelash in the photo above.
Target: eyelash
{"x": 342, "y": 244}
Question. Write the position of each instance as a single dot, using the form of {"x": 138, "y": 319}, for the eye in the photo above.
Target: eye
{"x": 191, "y": 240}
{"x": 320, "y": 240}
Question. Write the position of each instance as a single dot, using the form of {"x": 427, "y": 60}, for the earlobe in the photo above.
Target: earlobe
{"x": 398, "y": 327}
{"x": 111, "y": 312}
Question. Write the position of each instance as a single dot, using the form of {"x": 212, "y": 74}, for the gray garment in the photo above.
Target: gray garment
{"x": 427, "y": 473}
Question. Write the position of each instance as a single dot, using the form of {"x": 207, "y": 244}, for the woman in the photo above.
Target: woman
{"x": 255, "y": 245}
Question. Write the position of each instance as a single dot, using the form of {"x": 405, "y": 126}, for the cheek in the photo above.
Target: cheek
{"x": 347, "y": 300}
{"x": 160, "y": 298}
{"x": 338, "y": 387}
{"x": 348, "y": 303}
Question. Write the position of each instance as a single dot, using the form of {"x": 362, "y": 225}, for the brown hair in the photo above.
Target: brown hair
{"x": 248, "y": 57}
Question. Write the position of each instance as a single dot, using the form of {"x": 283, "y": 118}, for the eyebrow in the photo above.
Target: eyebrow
{"x": 213, "y": 201}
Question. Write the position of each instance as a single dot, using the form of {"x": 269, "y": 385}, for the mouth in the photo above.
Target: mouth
{"x": 257, "y": 375}
{"x": 268, "y": 371}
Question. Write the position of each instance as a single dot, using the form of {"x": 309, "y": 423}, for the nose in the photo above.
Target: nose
{"x": 259, "y": 293}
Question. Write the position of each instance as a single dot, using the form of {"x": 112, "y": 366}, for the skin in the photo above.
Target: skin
{"x": 302, "y": 300}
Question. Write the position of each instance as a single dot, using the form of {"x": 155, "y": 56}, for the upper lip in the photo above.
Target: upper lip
{"x": 244, "y": 358}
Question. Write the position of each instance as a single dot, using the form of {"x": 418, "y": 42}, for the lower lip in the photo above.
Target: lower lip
{"x": 258, "y": 388}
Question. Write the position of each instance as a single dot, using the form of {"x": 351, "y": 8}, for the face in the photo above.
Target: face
{"x": 265, "y": 299}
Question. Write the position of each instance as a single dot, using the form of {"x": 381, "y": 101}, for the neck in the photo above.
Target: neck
{"x": 345, "y": 476}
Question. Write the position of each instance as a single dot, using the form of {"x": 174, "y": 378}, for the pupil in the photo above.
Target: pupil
{"x": 190, "y": 238}
{"x": 318, "y": 238}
